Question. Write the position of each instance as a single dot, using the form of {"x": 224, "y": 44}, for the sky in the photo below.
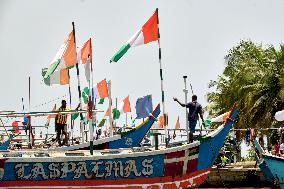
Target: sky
{"x": 195, "y": 37}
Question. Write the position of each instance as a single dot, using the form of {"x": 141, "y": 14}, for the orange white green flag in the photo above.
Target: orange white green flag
{"x": 58, "y": 77}
{"x": 148, "y": 33}
{"x": 64, "y": 58}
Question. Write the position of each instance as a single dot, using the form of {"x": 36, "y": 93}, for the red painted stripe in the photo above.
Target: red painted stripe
{"x": 123, "y": 182}
{"x": 173, "y": 169}
{"x": 192, "y": 165}
{"x": 177, "y": 154}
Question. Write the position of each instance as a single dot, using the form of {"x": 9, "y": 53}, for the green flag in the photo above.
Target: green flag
{"x": 116, "y": 113}
{"x": 101, "y": 101}
{"x": 74, "y": 116}
{"x": 102, "y": 123}
{"x": 85, "y": 94}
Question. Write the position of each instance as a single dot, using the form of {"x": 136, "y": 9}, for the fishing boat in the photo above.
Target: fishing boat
{"x": 271, "y": 166}
{"x": 128, "y": 139}
{"x": 182, "y": 166}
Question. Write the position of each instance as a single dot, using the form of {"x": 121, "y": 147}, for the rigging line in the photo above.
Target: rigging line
{"x": 50, "y": 101}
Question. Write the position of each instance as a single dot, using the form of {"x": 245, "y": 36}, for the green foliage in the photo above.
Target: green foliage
{"x": 253, "y": 77}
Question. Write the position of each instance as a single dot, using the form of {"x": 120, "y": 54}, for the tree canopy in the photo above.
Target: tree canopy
{"x": 253, "y": 77}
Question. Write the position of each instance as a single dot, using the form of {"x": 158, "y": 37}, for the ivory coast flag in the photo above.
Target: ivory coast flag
{"x": 58, "y": 77}
{"x": 64, "y": 58}
{"x": 147, "y": 34}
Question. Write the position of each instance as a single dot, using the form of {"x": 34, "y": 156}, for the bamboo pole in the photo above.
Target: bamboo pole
{"x": 162, "y": 84}
{"x": 94, "y": 115}
{"x": 79, "y": 88}
{"x": 110, "y": 106}
{"x": 186, "y": 110}
{"x": 70, "y": 101}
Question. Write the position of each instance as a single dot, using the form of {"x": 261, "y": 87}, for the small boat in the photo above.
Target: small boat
{"x": 261, "y": 163}
{"x": 182, "y": 166}
{"x": 271, "y": 166}
{"x": 128, "y": 139}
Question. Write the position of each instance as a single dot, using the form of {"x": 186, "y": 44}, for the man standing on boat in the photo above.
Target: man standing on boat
{"x": 194, "y": 108}
{"x": 61, "y": 123}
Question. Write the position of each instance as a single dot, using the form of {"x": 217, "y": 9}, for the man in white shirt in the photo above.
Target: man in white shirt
{"x": 282, "y": 148}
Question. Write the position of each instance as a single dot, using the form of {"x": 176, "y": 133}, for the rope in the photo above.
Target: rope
{"x": 50, "y": 101}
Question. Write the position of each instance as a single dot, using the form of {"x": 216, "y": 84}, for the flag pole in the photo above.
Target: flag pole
{"x": 109, "y": 106}
{"x": 162, "y": 84}
{"x": 186, "y": 110}
{"x": 70, "y": 101}
{"x": 125, "y": 121}
{"x": 79, "y": 87}
{"x": 93, "y": 100}
{"x": 90, "y": 107}
{"x": 30, "y": 145}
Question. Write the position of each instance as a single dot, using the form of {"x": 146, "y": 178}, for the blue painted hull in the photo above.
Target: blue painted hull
{"x": 182, "y": 166}
{"x": 276, "y": 166}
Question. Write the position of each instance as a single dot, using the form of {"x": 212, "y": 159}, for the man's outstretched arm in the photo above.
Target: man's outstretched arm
{"x": 175, "y": 99}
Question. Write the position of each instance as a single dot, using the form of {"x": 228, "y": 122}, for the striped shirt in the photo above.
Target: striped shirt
{"x": 62, "y": 117}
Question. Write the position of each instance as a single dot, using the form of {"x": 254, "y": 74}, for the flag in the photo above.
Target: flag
{"x": 102, "y": 100}
{"x": 124, "y": 106}
{"x": 177, "y": 124}
{"x": 87, "y": 70}
{"x": 116, "y": 113}
{"x": 102, "y": 89}
{"x": 162, "y": 120}
{"x": 220, "y": 118}
{"x": 85, "y": 94}
{"x": 64, "y": 58}
{"x": 57, "y": 78}
{"x": 144, "y": 106}
{"x": 102, "y": 123}
{"x": 148, "y": 33}
{"x": 85, "y": 52}
{"x": 85, "y": 56}
{"x": 107, "y": 112}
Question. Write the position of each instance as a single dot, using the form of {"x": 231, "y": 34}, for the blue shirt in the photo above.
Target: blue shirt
{"x": 194, "y": 108}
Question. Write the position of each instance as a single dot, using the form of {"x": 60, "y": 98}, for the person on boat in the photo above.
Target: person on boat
{"x": 2, "y": 139}
{"x": 282, "y": 148}
{"x": 61, "y": 123}
{"x": 194, "y": 109}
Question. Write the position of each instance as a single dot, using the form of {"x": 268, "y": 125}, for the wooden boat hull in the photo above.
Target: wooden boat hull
{"x": 276, "y": 166}
{"x": 182, "y": 166}
{"x": 128, "y": 139}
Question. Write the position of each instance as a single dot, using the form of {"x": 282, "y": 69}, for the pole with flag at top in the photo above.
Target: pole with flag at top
{"x": 90, "y": 112}
{"x": 79, "y": 88}
{"x": 162, "y": 83}
{"x": 92, "y": 102}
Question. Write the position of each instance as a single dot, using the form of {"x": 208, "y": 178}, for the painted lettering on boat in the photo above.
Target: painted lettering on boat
{"x": 84, "y": 170}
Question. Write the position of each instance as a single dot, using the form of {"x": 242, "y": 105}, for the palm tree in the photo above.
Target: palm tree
{"x": 253, "y": 76}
